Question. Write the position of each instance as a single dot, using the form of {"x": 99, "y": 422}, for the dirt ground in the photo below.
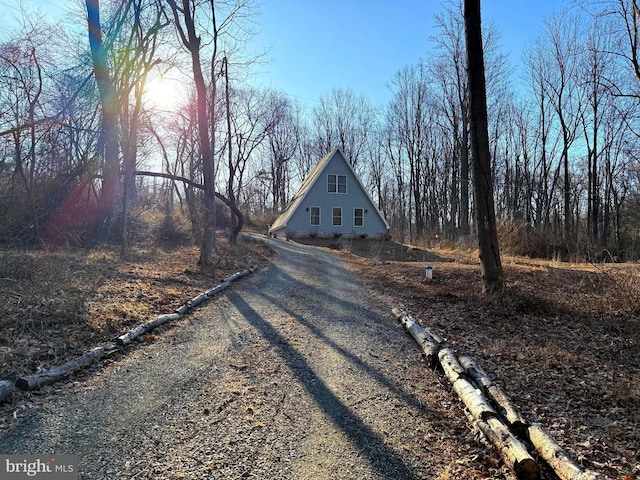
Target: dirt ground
{"x": 562, "y": 340}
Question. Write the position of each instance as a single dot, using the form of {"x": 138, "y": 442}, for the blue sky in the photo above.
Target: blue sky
{"x": 361, "y": 44}
{"x": 317, "y": 45}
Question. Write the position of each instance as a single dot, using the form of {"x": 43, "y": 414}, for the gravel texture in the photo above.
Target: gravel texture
{"x": 296, "y": 372}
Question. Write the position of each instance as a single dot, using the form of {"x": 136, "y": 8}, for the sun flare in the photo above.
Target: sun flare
{"x": 162, "y": 93}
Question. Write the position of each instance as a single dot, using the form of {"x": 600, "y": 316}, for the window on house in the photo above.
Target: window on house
{"x": 314, "y": 216}
{"x": 337, "y": 217}
{"x": 358, "y": 217}
{"x": 337, "y": 183}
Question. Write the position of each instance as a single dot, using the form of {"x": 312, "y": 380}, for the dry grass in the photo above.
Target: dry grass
{"x": 57, "y": 305}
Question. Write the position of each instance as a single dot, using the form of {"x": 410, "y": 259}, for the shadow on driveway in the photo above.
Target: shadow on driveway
{"x": 386, "y": 461}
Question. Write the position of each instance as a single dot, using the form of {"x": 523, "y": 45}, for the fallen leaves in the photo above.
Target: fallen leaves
{"x": 57, "y": 303}
{"x": 562, "y": 342}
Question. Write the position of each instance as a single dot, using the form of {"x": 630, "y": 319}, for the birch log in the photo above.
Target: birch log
{"x": 495, "y": 394}
{"x": 551, "y": 452}
{"x": 481, "y": 413}
{"x": 425, "y": 341}
{"x": 48, "y": 377}
{"x": 217, "y": 289}
{"x": 194, "y": 302}
{"x": 510, "y": 449}
{"x": 145, "y": 327}
{"x": 473, "y": 399}
{"x": 6, "y": 388}
{"x": 240, "y": 274}
{"x": 450, "y": 364}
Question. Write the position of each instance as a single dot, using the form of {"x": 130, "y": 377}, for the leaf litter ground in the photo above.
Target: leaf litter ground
{"x": 562, "y": 340}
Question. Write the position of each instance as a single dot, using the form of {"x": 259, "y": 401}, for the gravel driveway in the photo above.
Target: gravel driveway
{"x": 296, "y": 372}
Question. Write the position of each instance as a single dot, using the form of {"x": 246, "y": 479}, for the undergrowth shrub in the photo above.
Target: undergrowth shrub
{"x": 519, "y": 238}
{"x": 168, "y": 230}
{"x": 261, "y": 223}
{"x": 512, "y": 237}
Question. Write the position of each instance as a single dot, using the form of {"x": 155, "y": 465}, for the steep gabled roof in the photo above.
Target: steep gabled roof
{"x": 309, "y": 181}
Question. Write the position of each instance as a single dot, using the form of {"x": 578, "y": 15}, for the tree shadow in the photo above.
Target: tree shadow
{"x": 351, "y": 357}
{"x": 385, "y": 460}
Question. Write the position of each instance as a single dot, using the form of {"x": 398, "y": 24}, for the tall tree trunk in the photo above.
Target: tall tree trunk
{"x": 491, "y": 265}
{"x": 464, "y": 176}
{"x": 192, "y": 42}
{"x": 237, "y": 224}
{"x": 567, "y": 192}
{"x": 109, "y": 104}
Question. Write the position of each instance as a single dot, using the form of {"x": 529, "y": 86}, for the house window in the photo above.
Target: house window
{"x": 337, "y": 217}
{"x": 337, "y": 183}
{"x": 314, "y": 216}
{"x": 358, "y": 217}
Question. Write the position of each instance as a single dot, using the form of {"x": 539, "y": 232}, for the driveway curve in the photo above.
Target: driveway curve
{"x": 297, "y": 372}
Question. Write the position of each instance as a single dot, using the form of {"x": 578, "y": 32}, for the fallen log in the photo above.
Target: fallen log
{"x": 450, "y": 365}
{"x": 194, "y": 302}
{"x": 510, "y": 449}
{"x": 557, "y": 459}
{"x": 240, "y": 274}
{"x": 183, "y": 309}
{"x": 127, "y": 338}
{"x": 487, "y": 406}
{"x": 495, "y": 394}
{"x": 482, "y": 415}
{"x": 217, "y": 289}
{"x": 473, "y": 399}
{"x": 486, "y": 419}
{"x": 426, "y": 342}
{"x": 6, "y": 389}
{"x": 48, "y": 377}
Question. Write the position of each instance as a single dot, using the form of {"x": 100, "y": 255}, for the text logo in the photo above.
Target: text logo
{"x": 49, "y": 467}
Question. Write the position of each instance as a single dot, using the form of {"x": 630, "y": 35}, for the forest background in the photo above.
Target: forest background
{"x": 215, "y": 151}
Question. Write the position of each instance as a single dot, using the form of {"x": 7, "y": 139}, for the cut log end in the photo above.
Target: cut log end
{"x": 22, "y": 384}
{"x": 527, "y": 469}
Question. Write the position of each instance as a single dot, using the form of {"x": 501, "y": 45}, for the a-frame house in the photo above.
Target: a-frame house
{"x": 331, "y": 202}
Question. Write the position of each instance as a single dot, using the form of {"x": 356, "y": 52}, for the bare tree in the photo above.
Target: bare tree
{"x": 201, "y": 31}
{"x": 134, "y": 59}
{"x": 545, "y": 175}
{"x": 342, "y": 119}
{"x": 393, "y": 151}
{"x": 249, "y": 122}
{"x": 184, "y": 15}
{"x": 284, "y": 143}
{"x": 450, "y": 73}
{"x": 596, "y": 68}
{"x": 409, "y": 114}
{"x": 109, "y": 106}
{"x": 562, "y": 85}
{"x": 491, "y": 264}
{"x": 22, "y": 84}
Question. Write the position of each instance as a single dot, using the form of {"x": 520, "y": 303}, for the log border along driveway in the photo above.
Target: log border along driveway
{"x": 296, "y": 372}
